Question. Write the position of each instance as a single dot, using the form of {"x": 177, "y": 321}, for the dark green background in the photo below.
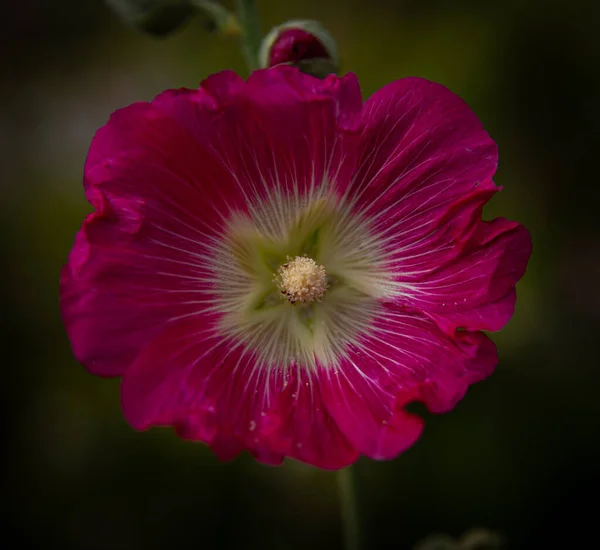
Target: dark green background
{"x": 519, "y": 454}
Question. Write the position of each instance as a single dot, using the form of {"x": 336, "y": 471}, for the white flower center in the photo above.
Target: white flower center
{"x": 310, "y": 251}
{"x": 302, "y": 280}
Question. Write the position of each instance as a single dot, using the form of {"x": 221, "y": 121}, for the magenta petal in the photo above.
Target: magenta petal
{"x": 476, "y": 290}
{"x": 425, "y": 170}
{"x": 371, "y": 416}
{"x": 290, "y": 132}
{"x": 212, "y": 391}
{"x": 422, "y": 149}
{"x": 195, "y": 110}
{"x": 222, "y": 87}
{"x": 424, "y": 176}
{"x": 477, "y": 359}
{"x": 282, "y": 129}
{"x": 145, "y": 160}
{"x": 407, "y": 358}
{"x": 139, "y": 260}
{"x": 116, "y": 293}
{"x": 287, "y": 85}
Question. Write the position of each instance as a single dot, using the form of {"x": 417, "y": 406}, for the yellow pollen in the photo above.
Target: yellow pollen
{"x": 302, "y": 280}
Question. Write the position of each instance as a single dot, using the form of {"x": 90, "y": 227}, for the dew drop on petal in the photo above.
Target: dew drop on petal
{"x": 252, "y": 425}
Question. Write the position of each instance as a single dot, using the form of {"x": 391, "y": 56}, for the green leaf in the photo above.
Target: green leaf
{"x": 156, "y": 17}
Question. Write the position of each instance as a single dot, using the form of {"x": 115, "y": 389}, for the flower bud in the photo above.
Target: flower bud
{"x": 157, "y": 17}
{"x": 304, "y": 44}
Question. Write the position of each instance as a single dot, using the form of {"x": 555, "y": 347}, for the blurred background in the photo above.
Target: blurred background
{"x": 520, "y": 453}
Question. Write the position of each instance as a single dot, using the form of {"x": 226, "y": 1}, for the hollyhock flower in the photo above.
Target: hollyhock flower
{"x": 273, "y": 265}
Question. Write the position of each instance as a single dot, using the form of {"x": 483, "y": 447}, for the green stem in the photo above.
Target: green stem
{"x": 225, "y": 21}
{"x": 251, "y": 35}
{"x": 347, "y": 485}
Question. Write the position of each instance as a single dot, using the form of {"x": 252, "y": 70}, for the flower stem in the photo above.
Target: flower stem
{"x": 347, "y": 484}
{"x": 251, "y": 35}
{"x": 225, "y": 22}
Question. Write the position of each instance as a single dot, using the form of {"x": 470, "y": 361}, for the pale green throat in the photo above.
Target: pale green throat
{"x": 298, "y": 280}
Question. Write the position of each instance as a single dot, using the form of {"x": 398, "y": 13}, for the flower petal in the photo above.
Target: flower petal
{"x": 212, "y": 391}
{"x": 477, "y": 290}
{"x": 287, "y": 131}
{"x": 425, "y": 174}
{"x": 194, "y": 110}
{"x": 139, "y": 260}
{"x": 144, "y": 159}
{"x": 422, "y": 149}
{"x": 406, "y": 358}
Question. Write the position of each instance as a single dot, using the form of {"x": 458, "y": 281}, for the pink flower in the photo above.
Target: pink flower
{"x": 276, "y": 266}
